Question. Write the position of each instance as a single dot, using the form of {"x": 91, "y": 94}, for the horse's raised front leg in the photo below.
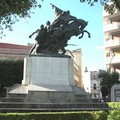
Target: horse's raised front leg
{"x": 81, "y": 33}
{"x": 87, "y": 33}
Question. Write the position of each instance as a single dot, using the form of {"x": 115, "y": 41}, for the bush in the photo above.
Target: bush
{"x": 114, "y": 115}
{"x": 11, "y": 72}
{"x": 98, "y": 115}
{"x": 114, "y": 105}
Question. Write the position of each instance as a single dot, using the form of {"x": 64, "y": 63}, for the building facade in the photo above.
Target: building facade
{"x": 111, "y": 24}
{"x": 77, "y": 58}
{"x": 92, "y": 83}
{"x": 13, "y": 51}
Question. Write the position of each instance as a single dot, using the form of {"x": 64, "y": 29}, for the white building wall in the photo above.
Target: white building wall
{"x": 86, "y": 81}
{"x": 92, "y": 83}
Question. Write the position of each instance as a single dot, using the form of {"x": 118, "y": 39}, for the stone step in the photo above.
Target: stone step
{"x": 50, "y": 109}
{"x": 16, "y": 95}
{"x": 46, "y": 100}
{"x": 50, "y": 95}
{"x": 52, "y": 105}
{"x": 83, "y": 96}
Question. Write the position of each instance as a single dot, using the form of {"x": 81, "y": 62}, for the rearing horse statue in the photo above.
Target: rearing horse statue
{"x": 60, "y": 31}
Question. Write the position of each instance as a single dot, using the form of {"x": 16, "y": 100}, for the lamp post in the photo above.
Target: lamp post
{"x": 111, "y": 61}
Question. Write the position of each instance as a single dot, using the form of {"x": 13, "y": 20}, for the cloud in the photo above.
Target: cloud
{"x": 100, "y": 47}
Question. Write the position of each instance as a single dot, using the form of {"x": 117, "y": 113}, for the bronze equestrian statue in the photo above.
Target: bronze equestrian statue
{"x": 54, "y": 37}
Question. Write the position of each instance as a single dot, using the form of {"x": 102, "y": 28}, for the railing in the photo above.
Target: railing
{"x": 112, "y": 26}
{"x": 112, "y": 43}
{"x": 116, "y": 59}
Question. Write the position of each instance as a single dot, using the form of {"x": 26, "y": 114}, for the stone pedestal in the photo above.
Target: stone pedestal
{"x": 48, "y": 75}
{"x": 48, "y": 70}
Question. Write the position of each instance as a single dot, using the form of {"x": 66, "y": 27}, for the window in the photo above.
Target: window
{"x": 94, "y": 95}
{"x": 111, "y": 21}
{"x": 107, "y": 54}
{"x": 94, "y": 86}
{"x": 94, "y": 77}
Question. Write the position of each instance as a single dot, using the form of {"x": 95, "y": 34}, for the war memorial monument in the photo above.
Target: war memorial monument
{"x": 47, "y": 68}
{"x": 48, "y": 81}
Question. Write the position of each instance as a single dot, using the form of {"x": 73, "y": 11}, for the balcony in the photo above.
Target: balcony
{"x": 115, "y": 60}
{"x": 112, "y": 43}
{"x": 113, "y": 28}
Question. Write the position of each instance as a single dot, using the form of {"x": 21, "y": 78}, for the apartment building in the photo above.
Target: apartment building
{"x": 111, "y": 24}
{"x": 92, "y": 83}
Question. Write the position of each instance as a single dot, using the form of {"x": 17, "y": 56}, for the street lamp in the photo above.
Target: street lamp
{"x": 111, "y": 61}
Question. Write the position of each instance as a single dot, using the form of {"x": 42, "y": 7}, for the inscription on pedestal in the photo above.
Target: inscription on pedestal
{"x": 41, "y": 70}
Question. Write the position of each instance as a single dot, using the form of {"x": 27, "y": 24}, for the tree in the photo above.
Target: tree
{"x": 12, "y": 10}
{"x": 110, "y": 8}
{"x": 107, "y": 81}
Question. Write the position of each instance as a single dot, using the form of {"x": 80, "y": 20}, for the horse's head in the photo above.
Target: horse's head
{"x": 82, "y": 23}
{"x": 87, "y": 23}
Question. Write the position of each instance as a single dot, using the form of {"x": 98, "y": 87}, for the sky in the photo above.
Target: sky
{"x": 92, "y": 48}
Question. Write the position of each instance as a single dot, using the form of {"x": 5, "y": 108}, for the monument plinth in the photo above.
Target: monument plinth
{"x": 47, "y": 68}
{"x": 55, "y": 72}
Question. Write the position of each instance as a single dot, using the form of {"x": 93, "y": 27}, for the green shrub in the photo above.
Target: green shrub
{"x": 97, "y": 115}
{"x": 11, "y": 72}
{"x": 114, "y": 115}
{"x": 114, "y": 105}
{"x": 101, "y": 115}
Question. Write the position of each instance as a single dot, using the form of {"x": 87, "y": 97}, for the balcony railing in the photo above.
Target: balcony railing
{"x": 116, "y": 59}
{"x": 111, "y": 27}
{"x": 112, "y": 43}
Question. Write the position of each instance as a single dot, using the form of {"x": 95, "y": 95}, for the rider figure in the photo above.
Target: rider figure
{"x": 39, "y": 38}
{"x": 62, "y": 17}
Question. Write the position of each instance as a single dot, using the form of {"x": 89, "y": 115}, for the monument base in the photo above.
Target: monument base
{"x": 43, "y": 73}
{"x": 48, "y": 85}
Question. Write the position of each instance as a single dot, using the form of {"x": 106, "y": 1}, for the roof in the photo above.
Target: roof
{"x": 14, "y": 46}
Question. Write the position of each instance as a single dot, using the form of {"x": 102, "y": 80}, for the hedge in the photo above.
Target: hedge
{"x": 115, "y": 113}
{"x": 96, "y": 115}
{"x": 11, "y": 72}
